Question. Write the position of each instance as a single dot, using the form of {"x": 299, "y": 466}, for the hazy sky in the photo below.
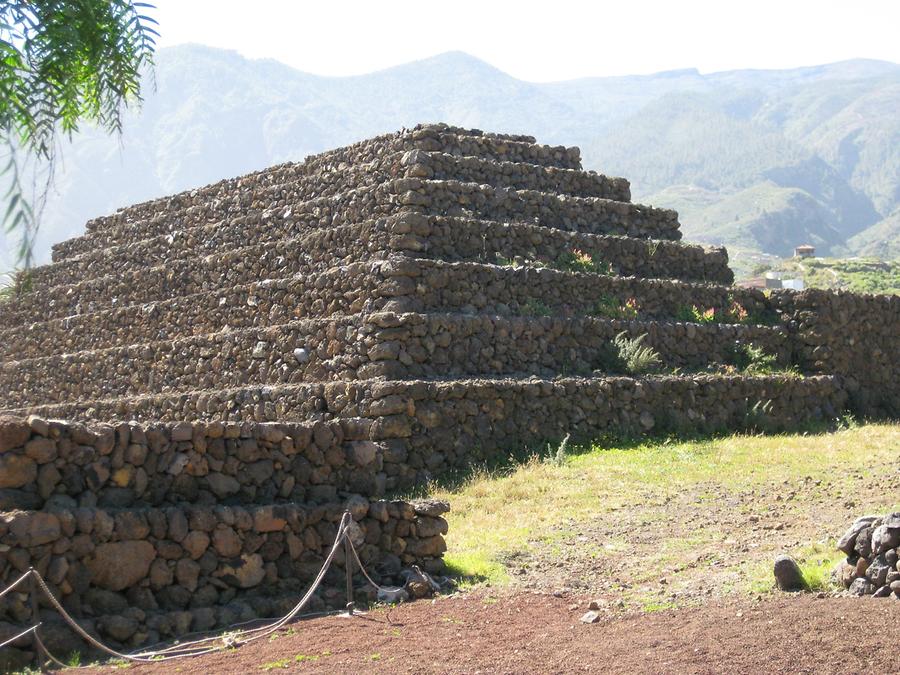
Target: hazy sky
{"x": 541, "y": 41}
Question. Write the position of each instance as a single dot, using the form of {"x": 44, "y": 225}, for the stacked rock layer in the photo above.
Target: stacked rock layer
{"x": 872, "y": 566}
{"x": 334, "y": 331}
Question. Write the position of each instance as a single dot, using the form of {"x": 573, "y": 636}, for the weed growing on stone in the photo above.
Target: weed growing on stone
{"x": 577, "y": 260}
{"x": 751, "y": 358}
{"x": 635, "y": 357}
{"x": 609, "y": 307}
{"x": 532, "y": 307}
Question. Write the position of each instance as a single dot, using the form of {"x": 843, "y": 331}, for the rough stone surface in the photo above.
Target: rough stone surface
{"x": 787, "y": 572}
{"x": 116, "y": 566}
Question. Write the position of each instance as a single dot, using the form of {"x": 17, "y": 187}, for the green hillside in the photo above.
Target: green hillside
{"x": 881, "y": 240}
{"x": 860, "y": 275}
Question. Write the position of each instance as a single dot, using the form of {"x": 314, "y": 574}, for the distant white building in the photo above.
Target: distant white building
{"x": 805, "y": 251}
{"x": 774, "y": 280}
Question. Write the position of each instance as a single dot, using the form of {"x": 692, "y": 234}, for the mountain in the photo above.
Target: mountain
{"x": 761, "y": 160}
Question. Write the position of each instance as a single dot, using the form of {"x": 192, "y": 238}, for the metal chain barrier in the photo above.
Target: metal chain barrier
{"x": 204, "y": 645}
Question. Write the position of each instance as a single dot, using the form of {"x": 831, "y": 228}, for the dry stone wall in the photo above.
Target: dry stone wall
{"x": 147, "y": 531}
{"x": 585, "y": 214}
{"x": 380, "y": 345}
{"x": 461, "y": 239}
{"x": 855, "y": 336}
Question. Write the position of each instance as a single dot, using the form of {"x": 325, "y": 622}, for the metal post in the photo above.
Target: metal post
{"x": 348, "y": 565}
{"x": 36, "y": 619}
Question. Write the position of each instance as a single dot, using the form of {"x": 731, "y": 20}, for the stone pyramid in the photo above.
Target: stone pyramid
{"x": 389, "y": 311}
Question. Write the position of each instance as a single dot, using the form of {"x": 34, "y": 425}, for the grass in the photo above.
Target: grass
{"x": 816, "y": 562}
{"x": 499, "y": 512}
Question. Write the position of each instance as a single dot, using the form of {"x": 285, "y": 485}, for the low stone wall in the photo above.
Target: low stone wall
{"x": 414, "y": 346}
{"x": 462, "y": 142}
{"x": 341, "y": 290}
{"x": 519, "y": 176}
{"x": 461, "y": 239}
{"x": 223, "y": 257}
{"x": 584, "y": 214}
{"x": 425, "y": 427}
{"x": 855, "y": 336}
{"x": 441, "y": 425}
{"x": 53, "y": 464}
{"x": 379, "y": 345}
{"x": 289, "y": 217}
{"x": 332, "y": 349}
{"x": 140, "y": 575}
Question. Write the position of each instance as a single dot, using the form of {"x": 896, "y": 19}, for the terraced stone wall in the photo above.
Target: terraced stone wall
{"x": 148, "y": 531}
{"x": 465, "y": 239}
{"x": 63, "y": 465}
{"x": 851, "y": 335}
{"x": 420, "y": 429}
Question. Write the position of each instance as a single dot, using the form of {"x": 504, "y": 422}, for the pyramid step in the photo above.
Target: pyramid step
{"x": 583, "y": 214}
{"x": 129, "y": 466}
{"x": 341, "y": 290}
{"x": 515, "y": 175}
{"x": 501, "y": 147}
{"x": 441, "y": 237}
{"x": 443, "y": 424}
{"x": 146, "y": 311}
{"x": 288, "y": 184}
{"x": 468, "y": 239}
{"x": 46, "y": 306}
{"x": 168, "y": 571}
{"x": 394, "y": 346}
{"x": 338, "y": 193}
{"x": 333, "y": 349}
{"x": 352, "y": 167}
{"x": 432, "y": 285}
{"x": 129, "y": 279}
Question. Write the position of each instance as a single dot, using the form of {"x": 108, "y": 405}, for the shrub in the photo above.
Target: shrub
{"x": 577, "y": 260}
{"x": 694, "y": 314}
{"x": 532, "y": 307}
{"x": 609, "y": 307}
{"x": 637, "y": 358}
{"x": 754, "y": 360}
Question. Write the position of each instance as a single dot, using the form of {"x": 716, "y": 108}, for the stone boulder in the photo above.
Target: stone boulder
{"x": 117, "y": 566}
{"x": 13, "y": 433}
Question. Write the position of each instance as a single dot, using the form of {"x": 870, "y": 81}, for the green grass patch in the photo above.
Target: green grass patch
{"x": 815, "y": 560}
{"x": 497, "y": 513}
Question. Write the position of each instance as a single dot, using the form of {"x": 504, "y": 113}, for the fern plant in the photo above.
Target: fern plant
{"x": 636, "y": 357}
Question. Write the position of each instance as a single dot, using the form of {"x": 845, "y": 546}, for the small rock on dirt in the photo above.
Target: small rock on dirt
{"x": 787, "y": 574}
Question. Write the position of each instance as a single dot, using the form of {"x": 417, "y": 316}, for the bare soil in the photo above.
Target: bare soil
{"x": 698, "y": 541}
{"x": 528, "y": 632}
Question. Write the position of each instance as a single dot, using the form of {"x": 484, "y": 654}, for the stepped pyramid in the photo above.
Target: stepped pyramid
{"x": 394, "y": 309}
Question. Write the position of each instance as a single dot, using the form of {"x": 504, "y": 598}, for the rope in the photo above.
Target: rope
{"x": 363, "y": 569}
{"x": 18, "y": 581}
{"x": 22, "y": 634}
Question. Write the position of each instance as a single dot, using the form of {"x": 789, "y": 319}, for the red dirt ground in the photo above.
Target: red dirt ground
{"x": 540, "y": 633}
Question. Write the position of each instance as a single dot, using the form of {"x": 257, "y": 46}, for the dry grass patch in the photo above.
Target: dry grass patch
{"x": 683, "y": 508}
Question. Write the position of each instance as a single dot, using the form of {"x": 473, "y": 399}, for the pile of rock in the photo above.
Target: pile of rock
{"x": 872, "y": 567}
